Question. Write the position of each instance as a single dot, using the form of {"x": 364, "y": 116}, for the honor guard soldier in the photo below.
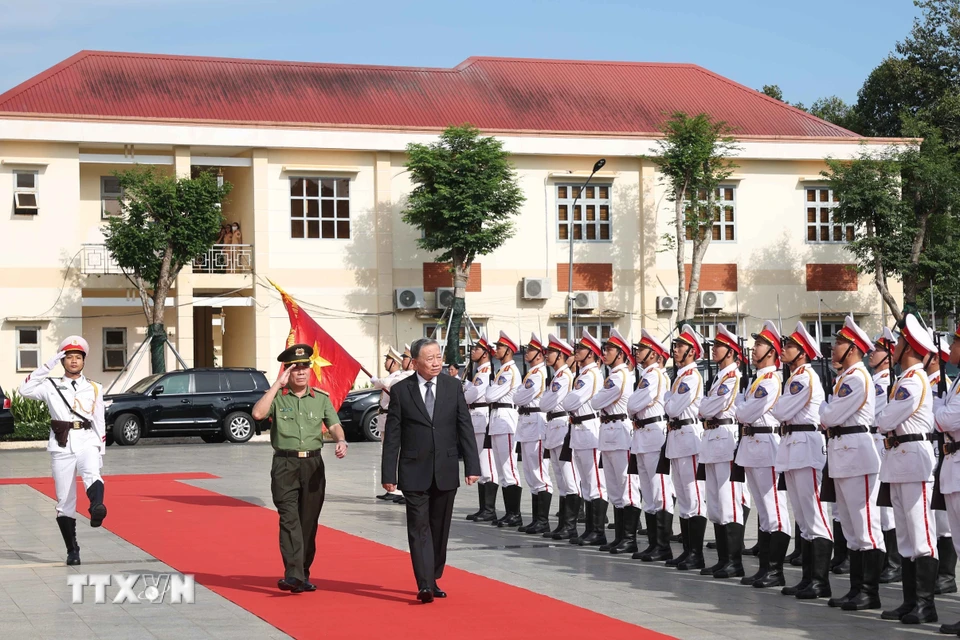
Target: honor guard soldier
{"x": 649, "y": 421}
{"x": 907, "y": 468}
{"x": 800, "y": 456}
{"x": 77, "y": 439}
{"x": 616, "y": 435}
{"x": 947, "y": 573}
{"x": 531, "y": 429}
{"x": 407, "y": 362}
{"x": 760, "y": 439}
{"x": 682, "y": 408}
{"x": 475, "y": 393}
{"x": 392, "y": 363}
{"x": 717, "y": 447}
{"x": 556, "y": 441}
{"x": 881, "y": 363}
{"x": 503, "y": 427}
{"x": 948, "y": 421}
{"x": 297, "y": 478}
{"x": 585, "y": 440}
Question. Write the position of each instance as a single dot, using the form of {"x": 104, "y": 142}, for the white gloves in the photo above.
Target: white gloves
{"x": 54, "y": 361}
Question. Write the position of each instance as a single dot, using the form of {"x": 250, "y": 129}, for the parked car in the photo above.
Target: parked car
{"x": 6, "y": 415}
{"x": 214, "y": 404}
{"x": 358, "y": 414}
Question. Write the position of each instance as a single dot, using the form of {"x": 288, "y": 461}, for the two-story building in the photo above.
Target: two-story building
{"x": 316, "y": 153}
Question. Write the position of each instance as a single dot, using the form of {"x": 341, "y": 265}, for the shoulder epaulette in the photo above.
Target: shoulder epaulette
{"x": 320, "y": 391}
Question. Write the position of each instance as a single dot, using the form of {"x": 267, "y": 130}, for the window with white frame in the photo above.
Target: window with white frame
{"x": 320, "y": 208}
{"x": 110, "y": 195}
{"x": 724, "y": 213}
{"x": 821, "y": 203}
{"x": 828, "y": 337}
{"x": 435, "y": 332}
{"x": 599, "y": 330}
{"x": 591, "y": 216}
{"x": 26, "y": 199}
{"x": 28, "y": 348}
{"x": 114, "y": 348}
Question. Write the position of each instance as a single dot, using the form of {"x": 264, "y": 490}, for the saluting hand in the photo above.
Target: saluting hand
{"x": 284, "y": 376}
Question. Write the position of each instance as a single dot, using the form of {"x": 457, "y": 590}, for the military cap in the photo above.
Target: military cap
{"x": 297, "y": 354}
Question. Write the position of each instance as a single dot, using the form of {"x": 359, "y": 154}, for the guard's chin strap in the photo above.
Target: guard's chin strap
{"x": 770, "y": 350}
{"x": 685, "y": 354}
{"x": 846, "y": 353}
{"x": 729, "y": 352}
{"x": 793, "y": 362}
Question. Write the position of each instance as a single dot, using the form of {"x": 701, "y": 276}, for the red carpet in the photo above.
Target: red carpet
{"x": 365, "y": 589}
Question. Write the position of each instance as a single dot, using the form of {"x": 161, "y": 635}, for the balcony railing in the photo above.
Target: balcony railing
{"x": 95, "y": 259}
{"x": 225, "y": 258}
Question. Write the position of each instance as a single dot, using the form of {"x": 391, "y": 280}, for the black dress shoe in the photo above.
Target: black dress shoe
{"x": 385, "y": 496}
{"x": 399, "y": 500}
{"x": 439, "y": 593}
{"x": 425, "y": 596}
{"x": 309, "y": 586}
{"x": 291, "y": 584}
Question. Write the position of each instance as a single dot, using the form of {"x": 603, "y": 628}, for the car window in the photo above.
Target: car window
{"x": 144, "y": 384}
{"x": 206, "y": 382}
{"x": 240, "y": 381}
{"x": 176, "y": 383}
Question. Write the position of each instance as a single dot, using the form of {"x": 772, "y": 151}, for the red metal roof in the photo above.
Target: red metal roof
{"x": 494, "y": 94}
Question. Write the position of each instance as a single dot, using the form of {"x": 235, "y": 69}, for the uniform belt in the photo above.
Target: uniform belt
{"x": 286, "y": 453}
{"x": 525, "y": 411}
{"x": 479, "y": 405}
{"x": 501, "y": 405}
{"x": 894, "y": 441}
{"x": 713, "y": 424}
{"x": 874, "y": 430}
{"x": 582, "y": 419}
{"x": 836, "y": 432}
{"x": 794, "y": 428}
{"x": 675, "y": 425}
{"x": 752, "y": 431}
{"x": 950, "y": 447}
{"x": 72, "y": 424}
{"x": 640, "y": 424}
{"x": 556, "y": 414}
{"x": 381, "y": 410}
{"x": 613, "y": 417}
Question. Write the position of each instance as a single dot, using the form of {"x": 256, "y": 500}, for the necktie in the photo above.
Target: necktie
{"x": 74, "y": 385}
{"x": 428, "y": 399}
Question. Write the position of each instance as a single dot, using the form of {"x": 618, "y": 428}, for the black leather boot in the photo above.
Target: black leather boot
{"x": 909, "y": 586}
{"x": 98, "y": 511}
{"x": 755, "y": 549}
{"x": 779, "y": 541}
{"x": 480, "y": 489}
{"x": 684, "y": 541}
{"x": 511, "y": 504}
{"x": 947, "y": 576}
{"x": 541, "y": 517}
{"x": 68, "y": 529}
{"x": 806, "y": 577}
{"x": 795, "y": 558}
{"x": 588, "y": 526}
{"x": 856, "y": 580}
{"x": 597, "y": 536}
{"x": 582, "y": 514}
{"x": 534, "y": 499}
{"x": 568, "y": 519}
{"x": 892, "y": 562}
{"x": 562, "y": 502}
{"x": 951, "y": 629}
{"x": 821, "y": 549}
{"x": 663, "y": 551}
{"x": 925, "y": 610}
{"x": 763, "y": 554}
{"x": 631, "y": 522}
{"x": 840, "y": 564}
{"x": 871, "y": 563}
{"x": 697, "y": 527}
{"x": 720, "y": 536}
{"x": 489, "y": 511}
{"x": 734, "y": 566}
{"x": 618, "y": 531}
{"x": 651, "y": 520}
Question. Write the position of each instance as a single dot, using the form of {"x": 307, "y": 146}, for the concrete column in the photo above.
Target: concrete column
{"x": 383, "y": 176}
{"x": 264, "y": 353}
{"x": 183, "y": 292}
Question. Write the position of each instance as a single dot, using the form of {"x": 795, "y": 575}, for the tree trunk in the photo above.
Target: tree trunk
{"x": 700, "y": 244}
{"x": 460, "y": 276}
{"x": 681, "y": 251}
{"x": 880, "y": 280}
{"x": 910, "y": 285}
{"x": 157, "y": 331}
{"x": 157, "y": 334}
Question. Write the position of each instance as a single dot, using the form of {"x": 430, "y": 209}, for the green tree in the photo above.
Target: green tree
{"x": 693, "y": 161}
{"x": 835, "y": 110}
{"x": 465, "y": 196}
{"x": 773, "y": 90}
{"x": 166, "y": 223}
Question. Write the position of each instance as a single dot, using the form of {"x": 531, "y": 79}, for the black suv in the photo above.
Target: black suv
{"x": 214, "y": 404}
{"x": 6, "y": 415}
{"x": 358, "y": 414}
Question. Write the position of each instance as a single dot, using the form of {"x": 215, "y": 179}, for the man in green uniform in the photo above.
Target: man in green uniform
{"x": 297, "y": 476}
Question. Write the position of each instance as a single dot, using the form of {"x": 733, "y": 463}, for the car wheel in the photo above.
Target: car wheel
{"x": 238, "y": 427}
{"x": 126, "y": 429}
{"x": 369, "y": 427}
{"x": 213, "y": 438}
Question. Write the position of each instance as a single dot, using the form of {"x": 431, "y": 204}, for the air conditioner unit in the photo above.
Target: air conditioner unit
{"x": 445, "y": 297}
{"x": 667, "y": 303}
{"x": 585, "y": 299}
{"x": 536, "y": 288}
{"x": 408, "y": 298}
{"x": 711, "y": 299}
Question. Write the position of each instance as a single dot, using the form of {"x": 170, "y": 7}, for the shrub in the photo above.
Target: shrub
{"x": 30, "y": 418}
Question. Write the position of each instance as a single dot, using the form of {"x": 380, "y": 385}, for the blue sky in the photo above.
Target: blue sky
{"x": 810, "y": 50}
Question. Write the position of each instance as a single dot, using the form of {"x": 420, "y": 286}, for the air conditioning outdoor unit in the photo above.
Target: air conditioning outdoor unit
{"x": 536, "y": 288}
{"x": 585, "y": 299}
{"x": 445, "y": 297}
{"x": 711, "y": 299}
{"x": 667, "y": 303}
{"x": 408, "y": 298}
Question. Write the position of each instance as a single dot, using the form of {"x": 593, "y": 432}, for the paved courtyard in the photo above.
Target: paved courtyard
{"x": 35, "y": 600}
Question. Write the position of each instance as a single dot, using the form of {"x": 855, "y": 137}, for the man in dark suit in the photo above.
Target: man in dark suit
{"x": 428, "y": 425}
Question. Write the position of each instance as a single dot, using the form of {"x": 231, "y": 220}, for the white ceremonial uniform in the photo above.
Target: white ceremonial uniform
{"x": 682, "y": 403}
{"x": 909, "y": 467}
{"x": 531, "y": 429}
{"x": 802, "y": 454}
{"x": 948, "y": 421}
{"x": 475, "y": 392}
{"x": 557, "y": 430}
{"x": 384, "y": 385}
{"x": 646, "y": 403}
{"x": 616, "y": 434}
{"x": 757, "y": 453}
{"x": 503, "y": 422}
{"x": 717, "y": 445}
{"x": 943, "y": 521}
{"x": 881, "y": 386}
{"x": 85, "y": 447}
{"x": 585, "y": 435}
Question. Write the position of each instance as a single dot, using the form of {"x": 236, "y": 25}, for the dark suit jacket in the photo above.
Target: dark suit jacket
{"x": 427, "y": 449}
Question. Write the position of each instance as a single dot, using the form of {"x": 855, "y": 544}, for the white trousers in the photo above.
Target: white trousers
{"x": 536, "y": 470}
{"x": 772, "y": 513}
{"x": 803, "y": 490}
{"x": 724, "y": 498}
{"x": 654, "y": 486}
{"x": 564, "y": 474}
{"x": 916, "y": 526}
{"x": 623, "y": 487}
{"x": 592, "y": 483}
{"x": 488, "y": 470}
{"x": 953, "y": 515}
{"x": 944, "y": 530}
{"x": 859, "y": 516}
{"x": 65, "y": 467}
{"x": 505, "y": 459}
{"x": 689, "y": 490}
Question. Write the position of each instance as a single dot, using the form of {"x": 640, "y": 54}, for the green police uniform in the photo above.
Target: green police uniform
{"x": 298, "y": 481}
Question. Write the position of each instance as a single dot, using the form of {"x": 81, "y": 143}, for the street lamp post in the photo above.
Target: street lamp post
{"x": 596, "y": 167}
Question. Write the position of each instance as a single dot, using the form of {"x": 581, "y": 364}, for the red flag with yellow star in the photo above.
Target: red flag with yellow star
{"x": 333, "y": 369}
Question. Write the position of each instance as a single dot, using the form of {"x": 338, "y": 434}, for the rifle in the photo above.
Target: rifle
{"x": 937, "y": 500}
{"x": 737, "y": 473}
